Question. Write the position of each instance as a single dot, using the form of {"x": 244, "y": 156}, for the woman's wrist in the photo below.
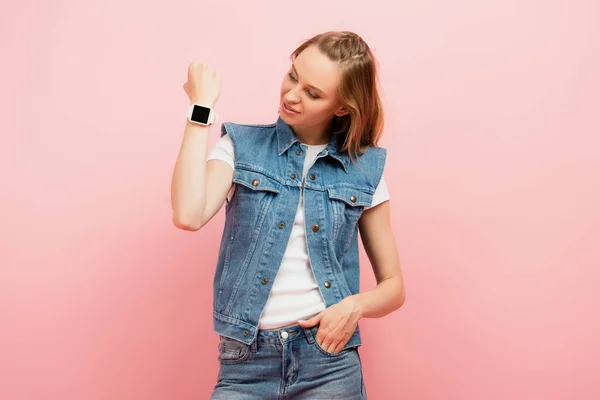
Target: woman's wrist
{"x": 203, "y": 102}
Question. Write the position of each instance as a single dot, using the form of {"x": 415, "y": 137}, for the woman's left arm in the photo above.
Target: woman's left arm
{"x": 339, "y": 321}
{"x": 380, "y": 246}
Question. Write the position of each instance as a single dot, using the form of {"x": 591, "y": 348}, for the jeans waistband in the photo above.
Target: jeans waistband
{"x": 287, "y": 334}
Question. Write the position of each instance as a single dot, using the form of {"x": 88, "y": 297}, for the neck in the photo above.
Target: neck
{"x": 314, "y": 135}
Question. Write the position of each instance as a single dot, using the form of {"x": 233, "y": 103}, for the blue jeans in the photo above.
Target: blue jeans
{"x": 287, "y": 363}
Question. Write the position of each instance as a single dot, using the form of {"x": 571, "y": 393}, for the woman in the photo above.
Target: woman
{"x": 286, "y": 287}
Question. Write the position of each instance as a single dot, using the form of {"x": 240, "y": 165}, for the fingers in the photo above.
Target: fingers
{"x": 331, "y": 344}
{"x": 203, "y": 85}
{"x": 333, "y": 347}
{"x": 327, "y": 343}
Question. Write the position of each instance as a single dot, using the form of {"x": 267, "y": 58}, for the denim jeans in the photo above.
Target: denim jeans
{"x": 287, "y": 363}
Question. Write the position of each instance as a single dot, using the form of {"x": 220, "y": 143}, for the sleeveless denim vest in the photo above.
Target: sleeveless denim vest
{"x": 268, "y": 169}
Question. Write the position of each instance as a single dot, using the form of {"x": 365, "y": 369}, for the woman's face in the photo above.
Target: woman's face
{"x": 310, "y": 88}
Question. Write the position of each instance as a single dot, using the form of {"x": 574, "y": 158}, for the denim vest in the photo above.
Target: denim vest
{"x": 269, "y": 161}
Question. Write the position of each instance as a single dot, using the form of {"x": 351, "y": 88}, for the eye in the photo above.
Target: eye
{"x": 314, "y": 96}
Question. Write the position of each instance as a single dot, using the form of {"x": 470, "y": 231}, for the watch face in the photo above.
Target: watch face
{"x": 200, "y": 114}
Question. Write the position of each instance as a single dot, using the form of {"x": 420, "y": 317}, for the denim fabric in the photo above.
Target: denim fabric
{"x": 269, "y": 161}
{"x": 290, "y": 365}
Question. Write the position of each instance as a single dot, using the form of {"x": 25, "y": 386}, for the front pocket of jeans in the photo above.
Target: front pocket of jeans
{"x": 327, "y": 353}
{"x": 232, "y": 351}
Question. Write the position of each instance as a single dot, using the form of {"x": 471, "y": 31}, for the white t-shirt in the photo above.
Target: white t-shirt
{"x": 295, "y": 294}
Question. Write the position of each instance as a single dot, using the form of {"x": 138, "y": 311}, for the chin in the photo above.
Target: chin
{"x": 288, "y": 119}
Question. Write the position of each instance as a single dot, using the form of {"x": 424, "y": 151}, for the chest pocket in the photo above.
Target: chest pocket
{"x": 347, "y": 204}
{"x": 253, "y": 194}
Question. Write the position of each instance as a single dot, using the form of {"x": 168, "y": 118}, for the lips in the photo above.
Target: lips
{"x": 288, "y": 107}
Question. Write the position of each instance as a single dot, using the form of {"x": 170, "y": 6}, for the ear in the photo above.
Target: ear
{"x": 341, "y": 112}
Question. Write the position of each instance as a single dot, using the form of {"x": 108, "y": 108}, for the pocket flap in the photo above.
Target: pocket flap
{"x": 351, "y": 196}
{"x": 255, "y": 180}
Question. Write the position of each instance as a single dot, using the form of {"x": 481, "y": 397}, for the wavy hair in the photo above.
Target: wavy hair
{"x": 357, "y": 91}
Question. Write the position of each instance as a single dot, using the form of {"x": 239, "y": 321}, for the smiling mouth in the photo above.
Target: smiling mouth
{"x": 289, "y": 109}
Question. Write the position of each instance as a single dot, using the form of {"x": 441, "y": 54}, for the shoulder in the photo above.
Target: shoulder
{"x": 373, "y": 157}
{"x": 368, "y": 167}
{"x": 250, "y": 141}
{"x": 235, "y": 128}
{"x": 377, "y": 152}
{"x": 225, "y": 142}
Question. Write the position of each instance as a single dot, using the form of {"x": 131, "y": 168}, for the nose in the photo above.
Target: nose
{"x": 291, "y": 96}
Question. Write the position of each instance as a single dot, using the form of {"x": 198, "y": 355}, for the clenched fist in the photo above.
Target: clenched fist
{"x": 203, "y": 85}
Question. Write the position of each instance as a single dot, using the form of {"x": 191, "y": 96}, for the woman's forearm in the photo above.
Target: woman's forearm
{"x": 188, "y": 184}
{"x": 386, "y": 297}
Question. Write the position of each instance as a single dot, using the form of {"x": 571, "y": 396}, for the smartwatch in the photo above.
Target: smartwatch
{"x": 202, "y": 115}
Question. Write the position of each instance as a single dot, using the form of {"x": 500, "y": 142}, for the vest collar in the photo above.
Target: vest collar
{"x": 286, "y": 138}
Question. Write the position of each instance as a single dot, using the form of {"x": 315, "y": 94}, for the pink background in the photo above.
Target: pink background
{"x": 494, "y": 172}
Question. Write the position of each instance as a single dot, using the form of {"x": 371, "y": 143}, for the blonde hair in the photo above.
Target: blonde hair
{"x": 357, "y": 90}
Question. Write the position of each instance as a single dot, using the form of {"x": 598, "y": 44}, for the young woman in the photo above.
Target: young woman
{"x": 297, "y": 192}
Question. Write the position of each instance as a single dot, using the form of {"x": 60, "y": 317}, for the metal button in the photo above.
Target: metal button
{"x": 294, "y": 176}
{"x": 315, "y": 228}
{"x": 265, "y": 281}
{"x": 255, "y": 182}
{"x": 327, "y": 285}
{"x": 282, "y": 225}
{"x": 353, "y": 198}
{"x": 246, "y": 333}
{"x": 284, "y": 334}
{"x": 299, "y": 152}
{"x": 312, "y": 177}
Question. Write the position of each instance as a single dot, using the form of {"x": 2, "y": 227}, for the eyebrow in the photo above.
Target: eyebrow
{"x": 314, "y": 87}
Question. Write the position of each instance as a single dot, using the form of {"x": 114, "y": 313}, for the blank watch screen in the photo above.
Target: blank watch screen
{"x": 200, "y": 114}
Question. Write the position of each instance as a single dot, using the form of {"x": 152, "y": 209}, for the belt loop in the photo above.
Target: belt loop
{"x": 253, "y": 345}
{"x": 308, "y": 332}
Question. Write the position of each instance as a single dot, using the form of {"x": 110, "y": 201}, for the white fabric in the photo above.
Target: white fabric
{"x": 295, "y": 294}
